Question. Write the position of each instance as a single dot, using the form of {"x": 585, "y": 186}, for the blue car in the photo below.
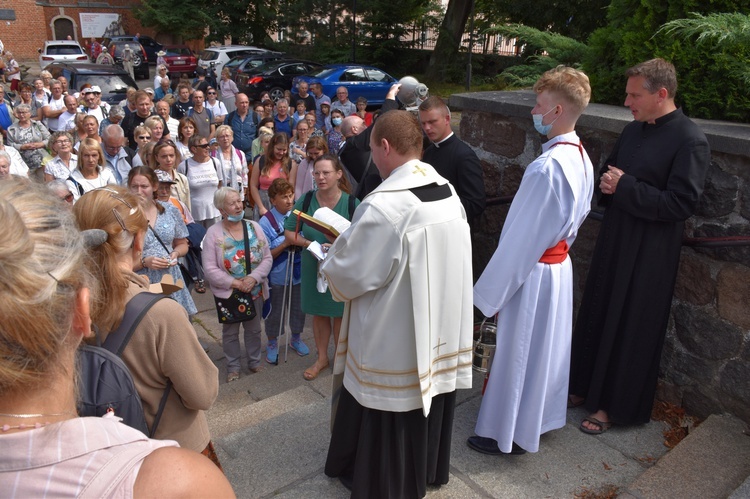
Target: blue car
{"x": 361, "y": 81}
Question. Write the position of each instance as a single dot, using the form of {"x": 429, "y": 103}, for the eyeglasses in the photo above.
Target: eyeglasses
{"x": 211, "y": 93}
{"x": 62, "y": 141}
{"x": 203, "y": 146}
{"x": 144, "y": 137}
{"x": 69, "y": 197}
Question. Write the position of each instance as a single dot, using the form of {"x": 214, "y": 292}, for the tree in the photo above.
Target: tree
{"x": 186, "y": 19}
{"x": 449, "y": 39}
{"x": 726, "y": 32}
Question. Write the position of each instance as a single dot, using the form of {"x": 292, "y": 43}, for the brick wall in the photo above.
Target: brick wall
{"x": 33, "y": 24}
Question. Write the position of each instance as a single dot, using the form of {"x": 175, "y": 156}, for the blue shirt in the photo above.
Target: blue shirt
{"x": 5, "y": 119}
{"x": 278, "y": 271}
{"x": 283, "y": 126}
{"x": 244, "y": 132}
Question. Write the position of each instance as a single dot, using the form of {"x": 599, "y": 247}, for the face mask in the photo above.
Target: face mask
{"x": 235, "y": 218}
{"x": 336, "y": 121}
{"x": 543, "y": 129}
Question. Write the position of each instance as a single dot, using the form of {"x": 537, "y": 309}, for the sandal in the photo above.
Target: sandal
{"x": 200, "y": 286}
{"x": 603, "y": 426}
{"x": 313, "y": 371}
{"x": 572, "y": 403}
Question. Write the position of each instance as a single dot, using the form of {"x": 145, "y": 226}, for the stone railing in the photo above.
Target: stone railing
{"x": 706, "y": 361}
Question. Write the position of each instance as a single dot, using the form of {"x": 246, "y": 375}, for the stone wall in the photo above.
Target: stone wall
{"x": 706, "y": 361}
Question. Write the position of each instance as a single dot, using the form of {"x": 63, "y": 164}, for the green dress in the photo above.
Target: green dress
{"x": 313, "y": 302}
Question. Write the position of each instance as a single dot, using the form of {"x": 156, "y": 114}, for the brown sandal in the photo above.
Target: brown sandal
{"x": 603, "y": 426}
{"x": 313, "y": 371}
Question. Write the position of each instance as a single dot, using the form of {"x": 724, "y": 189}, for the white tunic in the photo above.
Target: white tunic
{"x": 527, "y": 391}
{"x": 404, "y": 266}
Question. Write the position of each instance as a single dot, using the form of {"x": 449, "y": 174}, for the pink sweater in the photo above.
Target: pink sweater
{"x": 219, "y": 280}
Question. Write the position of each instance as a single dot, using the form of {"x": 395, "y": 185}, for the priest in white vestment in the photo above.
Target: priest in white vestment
{"x": 404, "y": 269}
{"x": 528, "y": 283}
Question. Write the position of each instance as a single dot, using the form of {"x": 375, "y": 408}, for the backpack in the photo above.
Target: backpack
{"x": 105, "y": 381}
{"x": 213, "y": 160}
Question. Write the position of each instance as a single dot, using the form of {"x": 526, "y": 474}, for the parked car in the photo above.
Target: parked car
{"x": 113, "y": 81}
{"x": 180, "y": 59}
{"x": 244, "y": 63}
{"x": 62, "y": 51}
{"x": 218, "y": 56}
{"x": 140, "y": 59}
{"x": 273, "y": 77}
{"x": 361, "y": 81}
{"x": 150, "y": 46}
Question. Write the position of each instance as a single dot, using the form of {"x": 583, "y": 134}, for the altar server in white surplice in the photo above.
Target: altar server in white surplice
{"x": 528, "y": 282}
{"x": 404, "y": 268}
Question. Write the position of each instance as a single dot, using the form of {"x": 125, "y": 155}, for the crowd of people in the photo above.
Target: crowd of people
{"x": 193, "y": 184}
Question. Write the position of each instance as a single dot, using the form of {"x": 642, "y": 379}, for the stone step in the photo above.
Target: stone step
{"x": 711, "y": 462}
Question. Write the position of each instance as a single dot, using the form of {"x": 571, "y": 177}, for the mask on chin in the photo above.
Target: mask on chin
{"x": 235, "y": 218}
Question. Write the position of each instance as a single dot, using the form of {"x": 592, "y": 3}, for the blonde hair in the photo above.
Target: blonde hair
{"x": 570, "y": 84}
{"x": 151, "y": 121}
{"x": 42, "y": 269}
{"x": 90, "y": 144}
{"x": 116, "y": 211}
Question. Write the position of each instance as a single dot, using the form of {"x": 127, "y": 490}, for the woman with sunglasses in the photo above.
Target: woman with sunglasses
{"x": 201, "y": 171}
{"x": 64, "y": 161}
{"x": 142, "y": 136}
{"x": 276, "y": 163}
{"x": 166, "y": 235}
{"x": 217, "y": 108}
{"x": 90, "y": 172}
{"x": 159, "y": 351}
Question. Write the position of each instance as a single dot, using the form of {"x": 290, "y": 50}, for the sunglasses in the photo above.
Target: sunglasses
{"x": 203, "y": 146}
{"x": 144, "y": 137}
{"x": 211, "y": 93}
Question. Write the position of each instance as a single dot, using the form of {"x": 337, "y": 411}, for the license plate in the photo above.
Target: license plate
{"x": 179, "y": 63}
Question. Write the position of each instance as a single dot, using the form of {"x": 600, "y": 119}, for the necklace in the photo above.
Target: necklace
{"x": 229, "y": 231}
{"x": 22, "y": 426}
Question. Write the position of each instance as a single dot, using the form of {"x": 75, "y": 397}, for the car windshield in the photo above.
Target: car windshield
{"x": 177, "y": 51}
{"x": 63, "y": 50}
{"x": 110, "y": 84}
{"x": 209, "y": 55}
{"x": 233, "y": 63}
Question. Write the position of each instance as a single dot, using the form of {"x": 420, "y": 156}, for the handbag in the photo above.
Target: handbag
{"x": 239, "y": 306}
{"x": 186, "y": 277}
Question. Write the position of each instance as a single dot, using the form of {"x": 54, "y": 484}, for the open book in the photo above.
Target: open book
{"x": 326, "y": 221}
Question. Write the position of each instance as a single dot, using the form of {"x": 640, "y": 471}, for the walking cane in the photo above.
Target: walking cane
{"x": 286, "y": 302}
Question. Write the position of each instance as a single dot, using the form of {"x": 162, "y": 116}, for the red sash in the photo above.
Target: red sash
{"x": 556, "y": 254}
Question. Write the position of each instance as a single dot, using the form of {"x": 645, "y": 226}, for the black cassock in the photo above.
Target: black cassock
{"x": 622, "y": 321}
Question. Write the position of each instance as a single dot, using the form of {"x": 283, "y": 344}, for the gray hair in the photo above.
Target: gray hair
{"x": 23, "y": 107}
{"x": 59, "y": 187}
{"x": 113, "y": 131}
{"x": 282, "y": 100}
{"x": 116, "y": 111}
{"x": 55, "y": 136}
{"x": 4, "y": 155}
{"x": 220, "y": 196}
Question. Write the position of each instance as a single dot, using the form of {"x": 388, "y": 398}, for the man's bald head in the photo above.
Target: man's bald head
{"x": 352, "y": 125}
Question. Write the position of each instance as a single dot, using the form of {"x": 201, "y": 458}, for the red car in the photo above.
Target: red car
{"x": 180, "y": 59}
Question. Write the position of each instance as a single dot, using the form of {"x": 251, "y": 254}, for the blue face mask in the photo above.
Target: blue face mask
{"x": 235, "y": 218}
{"x": 543, "y": 129}
{"x": 336, "y": 121}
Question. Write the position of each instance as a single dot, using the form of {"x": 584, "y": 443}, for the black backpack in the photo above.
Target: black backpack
{"x": 105, "y": 381}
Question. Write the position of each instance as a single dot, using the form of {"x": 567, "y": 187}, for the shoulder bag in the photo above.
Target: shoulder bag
{"x": 239, "y": 306}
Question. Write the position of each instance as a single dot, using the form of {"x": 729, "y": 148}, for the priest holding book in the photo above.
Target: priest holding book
{"x": 403, "y": 269}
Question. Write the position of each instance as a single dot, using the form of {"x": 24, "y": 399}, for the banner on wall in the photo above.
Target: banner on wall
{"x": 101, "y": 25}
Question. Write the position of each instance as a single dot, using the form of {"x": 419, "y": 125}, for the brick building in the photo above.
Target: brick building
{"x": 26, "y": 24}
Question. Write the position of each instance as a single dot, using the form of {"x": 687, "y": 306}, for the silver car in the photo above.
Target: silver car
{"x": 61, "y": 51}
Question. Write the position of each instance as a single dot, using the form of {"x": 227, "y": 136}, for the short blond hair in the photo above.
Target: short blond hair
{"x": 569, "y": 83}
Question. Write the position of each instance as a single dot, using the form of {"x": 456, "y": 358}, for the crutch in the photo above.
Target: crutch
{"x": 286, "y": 302}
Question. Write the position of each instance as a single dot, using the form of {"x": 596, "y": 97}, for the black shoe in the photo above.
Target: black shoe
{"x": 489, "y": 446}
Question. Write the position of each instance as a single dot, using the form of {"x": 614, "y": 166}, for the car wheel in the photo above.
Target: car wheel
{"x": 276, "y": 93}
{"x": 137, "y": 60}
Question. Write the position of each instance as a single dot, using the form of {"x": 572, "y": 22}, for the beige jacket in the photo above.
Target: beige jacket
{"x": 165, "y": 346}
